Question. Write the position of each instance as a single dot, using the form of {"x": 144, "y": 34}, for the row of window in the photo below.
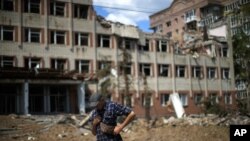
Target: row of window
{"x": 198, "y": 99}
{"x": 34, "y": 35}
{"x": 144, "y": 68}
{"x": 236, "y": 5}
{"x": 56, "y": 8}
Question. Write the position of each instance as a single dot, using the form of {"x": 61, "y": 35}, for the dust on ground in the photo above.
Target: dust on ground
{"x": 65, "y": 128}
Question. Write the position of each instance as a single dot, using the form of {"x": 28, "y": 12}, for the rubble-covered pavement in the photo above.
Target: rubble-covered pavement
{"x": 65, "y": 127}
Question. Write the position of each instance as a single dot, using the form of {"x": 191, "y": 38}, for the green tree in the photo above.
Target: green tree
{"x": 241, "y": 51}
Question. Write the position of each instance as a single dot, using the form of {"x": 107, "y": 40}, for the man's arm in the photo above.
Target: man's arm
{"x": 95, "y": 122}
{"x": 127, "y": 120}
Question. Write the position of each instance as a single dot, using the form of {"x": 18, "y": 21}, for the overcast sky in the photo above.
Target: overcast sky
{"x": 126, "y": 10}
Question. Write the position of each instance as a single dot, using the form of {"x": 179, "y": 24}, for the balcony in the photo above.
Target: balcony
{"x": 190, "y": 19}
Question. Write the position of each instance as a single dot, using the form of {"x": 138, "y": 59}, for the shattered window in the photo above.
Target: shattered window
{"x": 198, "y": 98}
{"x": 58, "y": 37}
{"x": 104, "y": 41}
{"x": 214, "y": 99}
{"x": 145, "y": 69}
{"x": 7, "y": 33}
{"x": 196, "y": 72}
{"x": 104, "y": 64}
{"x": 241, "y": 94}
{"x": 82, "y": 39}
{"x": 32, "y": 6}
{"x": 162, "y": 46}
{"x": 164, "y": 99}
{"x": 6, "y": 62}
{"x": 58, "y": 64}
{"x": 227, "y": 98}
{"x": 32, "y": 35}
{"x": 57, "y": 8}
{"x": 168, "y": 23}
{"x": 31, "y": 63}
{"x": 7, "y": 5}
{"x": 146, "y": 47}
{"x": 129, "y": 43}
{"x": 180, "y": 71}
{"x": 224, "y": 51}
{"x": 225, "y": 73}
{"x": 126, "y": 68}
{"x": 211, "y": 73}
{"x": 36, "y": 99}
{"x": 80, "y": 11}
{"x": 82, "y": 66}
{"x": 163, "y": 70}
{"x": 148, "y": 101}
{"x": 184, "y": 99}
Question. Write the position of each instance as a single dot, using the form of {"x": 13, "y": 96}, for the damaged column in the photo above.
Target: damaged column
{"x": 81, "y": 97}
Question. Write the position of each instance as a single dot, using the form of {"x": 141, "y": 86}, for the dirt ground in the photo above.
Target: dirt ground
{"x": 49, "y": 128}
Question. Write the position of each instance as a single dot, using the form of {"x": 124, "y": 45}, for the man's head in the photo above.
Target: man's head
{"x": 97, "y": 101}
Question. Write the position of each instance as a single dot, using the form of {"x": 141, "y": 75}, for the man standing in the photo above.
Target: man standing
{"x": 104, "y": 117}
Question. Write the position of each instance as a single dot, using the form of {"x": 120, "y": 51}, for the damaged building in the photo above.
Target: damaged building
{"x": 50, "y": 52}
{"x": 199, "y": 29}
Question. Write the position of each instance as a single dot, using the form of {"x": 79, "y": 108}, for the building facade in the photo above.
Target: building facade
{"x": 50, "y": 52}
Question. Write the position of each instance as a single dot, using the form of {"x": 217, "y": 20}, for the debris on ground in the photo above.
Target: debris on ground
{"x": 66, "y": 127}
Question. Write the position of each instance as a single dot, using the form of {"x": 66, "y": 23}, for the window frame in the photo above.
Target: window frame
{"x": 31, "y": 31}
{"x": 55, "y": 6}
{"x": 4, "y": 30}
{"x": 102, "y": 39}
{"x": 29, "y": 4}
{"x": 57, "y": 34}
{"x": 179, "y": 69}
{"x": 82, "y": 63}
{"x": 80, "y": 38}
{"x": 6, "y": 61}
{"x": 210, "y": 71}
{"x": 143, "y": 66}
{"x": 59, "y": 64}
{"x": 162, "y": 68}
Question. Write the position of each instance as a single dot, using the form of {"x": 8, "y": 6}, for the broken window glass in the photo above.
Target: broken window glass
{"x": 58, "y": 37}
{"x": 31, "y": 63}
{"x": 184, "y": 99}
{"x": 164, "y": 99}
{"x": 126, "y": 68}
{"x": 32, "y": 35}
{"x": 196, "y": 72}
{"x": 7, "y": 5}
{"x": 145, "y": 69}
{"x": 211, "y": 73}
{"x": 7, "y": 33}
{"x": 6, "y": 62}
{"x": 58, "y": 98}
{"x": 32, "y": 6}
{"x": 82, "y": 66}
{"x": 163, "y": 70}
{"x": 58, "y": 64}
{"x": 225, "y": 73}
{"x": 180, "y": 71}
{"x": 198, "y": 98}
{"x": 104, "y": 41}
{"x": 36, "y": 99}
{"x": 227, "y": 98}
{"x": 146, "y": 47}
{"x": 82, "y": 39}
{"x": 104, "y": 65}
{"x": 161, "y": 46}
{"x": 81, "y": 11}
{"x": 57, "y": 8}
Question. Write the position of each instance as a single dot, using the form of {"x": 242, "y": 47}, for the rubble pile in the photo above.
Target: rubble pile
{"x": 66, "y": 127}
